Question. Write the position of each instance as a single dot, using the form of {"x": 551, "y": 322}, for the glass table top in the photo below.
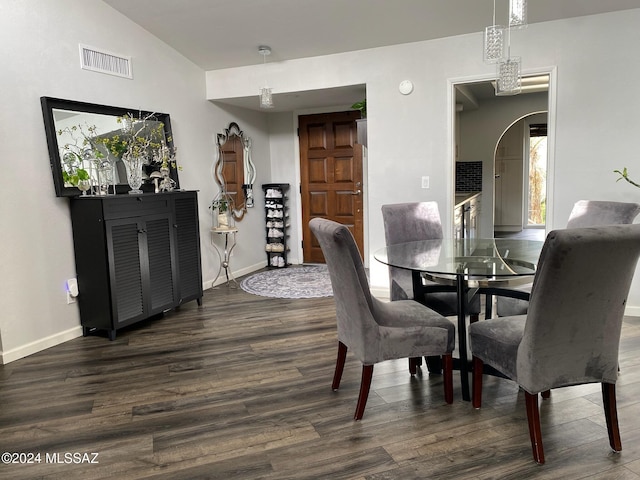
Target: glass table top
{"x": 481, "y": 260}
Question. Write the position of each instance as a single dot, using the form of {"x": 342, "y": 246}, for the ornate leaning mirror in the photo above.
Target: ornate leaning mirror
{"x": 235, "y": 172}
{"x": 71, "y": 126}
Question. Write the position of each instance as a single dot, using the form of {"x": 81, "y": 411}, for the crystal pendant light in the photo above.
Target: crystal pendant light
{"x": 509, "y": 81}
{"x": 266, "y": 98}
{"x": 517, "y": 13}
{"x": 494, "y": 41}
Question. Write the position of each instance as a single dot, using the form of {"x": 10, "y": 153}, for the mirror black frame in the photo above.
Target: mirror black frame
{"x": 49, "y": 104}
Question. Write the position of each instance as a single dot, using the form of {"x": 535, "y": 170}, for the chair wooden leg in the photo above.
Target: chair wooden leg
{"x": 413, "y": 365}
{"x": 611, "y": 415}
{"x": 533, "y": 416}
{"x": 337, "y": 375}
{"x": 447, "y": 371}
{"x": 546, "y": 394}
{"x": 476, "y": 385}
{"x": 365, "y": 385}
{"x": 474, "y": 318}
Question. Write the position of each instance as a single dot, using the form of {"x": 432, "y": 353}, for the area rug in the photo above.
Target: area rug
{"x": 308, "y": 281}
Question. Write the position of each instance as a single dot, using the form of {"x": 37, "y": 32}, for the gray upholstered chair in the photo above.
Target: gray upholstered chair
{"x": 373, "y": 330}
{"x": 409, "y": 222}
{"x": 585, "y": 213}
{"x": 571, "y": 333}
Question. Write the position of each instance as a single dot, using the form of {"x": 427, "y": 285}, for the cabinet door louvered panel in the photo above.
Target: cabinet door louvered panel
{"x": 188, "y": 247}
{"x": 161, "y": 270}
{"x": 126, "y": 271}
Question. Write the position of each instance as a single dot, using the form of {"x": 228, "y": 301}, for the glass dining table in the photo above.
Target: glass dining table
{"x": 469, "y": 266}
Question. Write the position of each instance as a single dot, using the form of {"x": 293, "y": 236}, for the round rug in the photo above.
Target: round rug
{"x": 309, "y": 281}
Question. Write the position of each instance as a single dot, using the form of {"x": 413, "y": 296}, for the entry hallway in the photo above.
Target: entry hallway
{"x": 240, "y": 389}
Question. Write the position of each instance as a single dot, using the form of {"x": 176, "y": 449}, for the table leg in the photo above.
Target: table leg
{"x": 227, "y": 259}
{"x": 462, "y": 337}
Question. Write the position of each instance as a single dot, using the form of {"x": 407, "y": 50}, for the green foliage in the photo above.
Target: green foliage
{"x": 82, "y": 146}
{"x": 222, "y": 204}
{"x": 362, "y": 106}
{"x": 139, "y": 137}
{"x": 625, "y": 176}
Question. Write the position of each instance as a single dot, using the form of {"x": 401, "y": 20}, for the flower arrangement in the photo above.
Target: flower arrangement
{"x": 80, "y": 147}
{"x": 139, "y": 137}
{"x": 625, "y": 176}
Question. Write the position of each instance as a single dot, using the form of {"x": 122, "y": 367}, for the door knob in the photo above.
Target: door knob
{"x": 357, "y": 192}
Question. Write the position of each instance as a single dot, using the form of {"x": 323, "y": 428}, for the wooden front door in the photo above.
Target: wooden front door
{"x": 331, "y": 176}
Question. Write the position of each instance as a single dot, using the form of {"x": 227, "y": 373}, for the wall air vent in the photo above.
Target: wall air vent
{"x": 105, "y": 62}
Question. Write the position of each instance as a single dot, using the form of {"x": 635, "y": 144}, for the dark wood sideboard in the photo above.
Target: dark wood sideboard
{"x": 136, "y": 256}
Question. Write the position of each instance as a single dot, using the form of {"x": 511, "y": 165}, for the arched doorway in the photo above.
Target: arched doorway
{"x": 520, "y": 172}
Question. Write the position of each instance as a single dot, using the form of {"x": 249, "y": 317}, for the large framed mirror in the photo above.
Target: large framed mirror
{"x": 235, "y": 171}
{"x": 70, "y": 126}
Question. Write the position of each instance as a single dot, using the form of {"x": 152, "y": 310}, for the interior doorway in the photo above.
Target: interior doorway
{"x": 520, "y": 186}
{"x": 331, "y": 176}
{"x": 480, "y": 119}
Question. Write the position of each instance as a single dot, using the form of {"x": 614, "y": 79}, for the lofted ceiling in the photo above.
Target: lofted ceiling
{"x": 217, "y": 34}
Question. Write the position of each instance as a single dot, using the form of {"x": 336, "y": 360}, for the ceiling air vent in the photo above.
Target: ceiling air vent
{"x": 105, "y": 62}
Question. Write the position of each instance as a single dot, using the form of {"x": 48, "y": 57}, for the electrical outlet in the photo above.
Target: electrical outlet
{"x": 70, "y": 299}
{"x": 425, "y": 182}
{"x": 72, "y": 290}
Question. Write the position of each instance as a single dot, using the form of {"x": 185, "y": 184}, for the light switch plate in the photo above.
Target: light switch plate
{"x": 425, "y": 182}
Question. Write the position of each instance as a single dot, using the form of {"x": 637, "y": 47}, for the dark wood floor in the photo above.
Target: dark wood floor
{"x": 240, "y": 389}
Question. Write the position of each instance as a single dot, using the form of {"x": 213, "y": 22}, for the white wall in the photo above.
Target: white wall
{"x": 40, "y": 58}
{"x": 409, "y": 136}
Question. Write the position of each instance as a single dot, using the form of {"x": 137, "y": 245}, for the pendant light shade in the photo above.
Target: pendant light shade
{"x": 517, "y": 13}
{"x": 266, "y": 98}
{"x": 509, "y": 79}
{"x": 494, "y": 42}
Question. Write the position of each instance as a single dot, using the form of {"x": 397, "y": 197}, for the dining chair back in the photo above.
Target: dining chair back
{"x": 593, "y": 213}
{"x": 374, "y": 330}
{"x": 585, "y": 213}
{"x": 571, "y": 333}
{"x": 410, "y": 222}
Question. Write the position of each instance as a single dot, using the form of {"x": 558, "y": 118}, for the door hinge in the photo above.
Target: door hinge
{"x": 302, "y": 244}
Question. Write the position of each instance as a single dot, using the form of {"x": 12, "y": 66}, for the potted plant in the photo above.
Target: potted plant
{"x": 362, "y": 106}
{"x": 221, "y": 207}
{"x": 361, "y": 123}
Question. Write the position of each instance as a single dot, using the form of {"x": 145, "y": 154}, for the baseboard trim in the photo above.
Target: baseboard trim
{"x": 222, "y": 279}
{"x": 632, "y": 311}
{"x": 380, "y": 293}
{"x": 39, "y": 345}
{"x": 507, "y": 228}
